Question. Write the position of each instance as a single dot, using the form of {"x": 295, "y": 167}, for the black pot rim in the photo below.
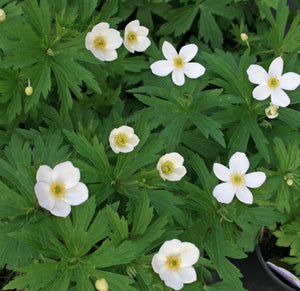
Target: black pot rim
{"x": 270, "y": 273}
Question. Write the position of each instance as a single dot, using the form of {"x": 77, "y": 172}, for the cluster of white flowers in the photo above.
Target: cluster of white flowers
{"x": 59, "y": 188}
{"x": 103, "y": 41}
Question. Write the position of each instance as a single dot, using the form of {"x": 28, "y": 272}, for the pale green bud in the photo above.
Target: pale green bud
{"x": 101, "y": 285}
{"x": 2, "y": 15}
{"x": 244, "y": 37}
{"x": 290, "y": 182}
{"x": 28, "y": 90}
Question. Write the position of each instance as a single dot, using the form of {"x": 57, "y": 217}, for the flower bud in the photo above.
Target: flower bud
{"x": 271, "y": 111}
{"x": 28, "y": 90}
{"x": 101, "y": 285}
{"x": 244, "y": 37}
{"x": 2, "y": 15}
{"x": 290, "y": 182}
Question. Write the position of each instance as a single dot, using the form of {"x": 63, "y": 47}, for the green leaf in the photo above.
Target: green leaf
{"x": 209, "y": 29}
{"x": 40, "y": 17}
{"x": 36, "y": 276}
{"x": 143, "y": 215}
{"x": 179, "y": 20}
{"x": 208, "y": 127}
{"x": 173, "y": 131}
{"x": 283, "y": 197}
{"x": 119, "y": 226}
{"x": 94, "y": 153}
{"x": 107, "y": 255}
{"x": 260, "y": 140}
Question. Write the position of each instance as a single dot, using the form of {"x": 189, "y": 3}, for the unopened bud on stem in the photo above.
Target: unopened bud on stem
{"x": 244, "y": 37}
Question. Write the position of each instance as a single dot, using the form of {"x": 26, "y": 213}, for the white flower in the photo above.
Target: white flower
{"x": 170, "y": 167}
{"x": 236, "y": 180}
{"x": 273, "y": 82}
{"x": 174, "y": 261}
{"x": 123, "y": 139}
{"x": 103, "y": 41}
{"x": 178, "y": 64}
{"x": 135, "y": 38}
{"x": 271, "y": 111}
{"x": 59, "y": 188}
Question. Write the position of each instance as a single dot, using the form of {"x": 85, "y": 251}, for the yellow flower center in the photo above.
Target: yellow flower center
{"x": 167, "y": 167}
{"x": 100, "y": 43}
{"x": 121, "y": 139}
{"x": 173, "y": 262}
{"x": 237, "y": 179}
{"x": 132, "y": 37}
{"x": 273, "y": 82}
{"x": 58, "y": 189}
{"x": 178, "y": 62}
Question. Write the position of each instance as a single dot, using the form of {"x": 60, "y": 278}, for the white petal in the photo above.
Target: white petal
{"x": 128, "y": 46}
{"x": 257, "y": 74}
{"x": 113, "y": 39}
{"x": 170, "y": 247}
{"x": 188, "y": 52}
{"x": 239, "y": 163}
{"x": 66, "y": 173}
{"x": 45, "y": 197}
{"x": 193, "y": 70}
{"x": 280, "y": 98}
{"x": 142, "y": 31}
{"x": 132, "y": 26}
{"x": 221, "y": 172}
{"x": 162, "y": 68}
{"x": 142, "y": 44}
{"x": 172, "y": 279}
{"x": 44, "y": 174}
{"x": 101, "y": 28}
{"x": 98, "y": 53}
{"x": 110, "y": 55}
{"x": 89, "y": 40}
{"x": 188, "y": 275}
{"x": 180, "y": 171}
{"x": 261, "y": 92}
{"x": 189, "y": 254}
{"x": 125, "y": 129}
{"x": 77, "y": 194}
{"x": 158, "y": 263}
{"x": 244, "y": 195}
{"x": 276, "y": 67}
{"x": 255, "y": 179}
{"x": 134, "y": 140}
{"x": 61, "y": 208}
{"x": 169, "y": 51}
{"x": 289, "y": 81}
{"x": 174, "y": 157}
{"x": 178, "y": 77}
{"x": 224, "y": 192}
{"x": 125, "y": 149}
